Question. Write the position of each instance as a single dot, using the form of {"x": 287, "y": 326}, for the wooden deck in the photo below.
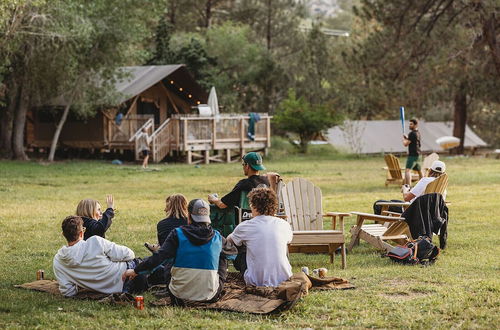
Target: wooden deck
{"x": 207, "y": 139}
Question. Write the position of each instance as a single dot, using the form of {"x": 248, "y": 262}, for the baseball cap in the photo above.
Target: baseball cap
{"x": 199, "y": 210}
{"x": 254, "y": 159}
{"x": 438, "y": 166}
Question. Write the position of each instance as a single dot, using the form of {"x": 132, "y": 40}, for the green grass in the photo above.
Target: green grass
{"x": 460, "y": 291}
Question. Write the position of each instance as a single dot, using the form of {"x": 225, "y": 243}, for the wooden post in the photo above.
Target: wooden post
{"x": 189, "y": 157}
{"x": 228, "y": 155}
{"x": 177, "y": 134}
{"x": 185, "y": 134}
{"x": 268, "y": 132}
{"x": 242, "y": 133}
{"x": 207, "y": 156}
{"x": 214, "y": 130}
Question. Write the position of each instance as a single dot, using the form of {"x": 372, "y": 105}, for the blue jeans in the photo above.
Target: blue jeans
{"x": 139, "y": 283}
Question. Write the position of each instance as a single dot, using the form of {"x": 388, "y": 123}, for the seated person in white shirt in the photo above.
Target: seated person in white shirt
{"x": 409, "y": 195}
{"x": 437, "y": 168}
{"x": 266, "y": 239}
{"x": 95, "y": 264}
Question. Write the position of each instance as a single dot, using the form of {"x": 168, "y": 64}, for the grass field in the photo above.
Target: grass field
{"x": 462, "y": 290}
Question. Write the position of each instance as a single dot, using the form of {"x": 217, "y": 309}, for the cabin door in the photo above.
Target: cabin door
{"x": 149, "y": 108}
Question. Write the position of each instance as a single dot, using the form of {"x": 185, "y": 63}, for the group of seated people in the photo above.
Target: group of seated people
{"x": 192, "y": 257}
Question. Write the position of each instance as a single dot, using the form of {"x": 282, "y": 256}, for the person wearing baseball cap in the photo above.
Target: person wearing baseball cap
{"x": 437, "y": 168}
{"x": 199, "y": 266}
{"x": 410, "y": 194}
{"x": 252, "y": 165}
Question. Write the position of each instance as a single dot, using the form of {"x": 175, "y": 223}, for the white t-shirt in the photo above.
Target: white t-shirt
{"x": 143, "y": 141}
{"x": 419, "y": 188}
{"x": 266, "y": 239}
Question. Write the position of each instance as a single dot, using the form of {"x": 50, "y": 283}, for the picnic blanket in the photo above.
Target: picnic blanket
{"x": 237, "y": 296}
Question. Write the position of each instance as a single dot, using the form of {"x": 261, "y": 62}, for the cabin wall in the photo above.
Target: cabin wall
{"x": 88, "y": 133}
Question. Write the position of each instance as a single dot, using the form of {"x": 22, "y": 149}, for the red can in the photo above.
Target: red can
{"x": 40, "y": 274}
{"x": 139, "y": 302}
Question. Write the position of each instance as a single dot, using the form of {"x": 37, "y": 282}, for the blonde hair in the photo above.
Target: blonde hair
{"x": 176, "y": 206}
{"x": 87, "y": 208}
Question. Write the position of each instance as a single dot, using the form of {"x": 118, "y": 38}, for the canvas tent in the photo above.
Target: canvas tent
{"x": 383, "y": 136}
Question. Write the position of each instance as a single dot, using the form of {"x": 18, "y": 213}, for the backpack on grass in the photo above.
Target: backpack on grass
{"x": 419, "y": 251}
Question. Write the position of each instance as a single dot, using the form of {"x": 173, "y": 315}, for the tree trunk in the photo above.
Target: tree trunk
{"x": 268, "y": 25}
{"x": 57, "y": 133}
{"x": 208, "y": 13}
{"x": 460, "y": 116}
{"x": 19, "y": 124}
{"x": 7, "y": 121}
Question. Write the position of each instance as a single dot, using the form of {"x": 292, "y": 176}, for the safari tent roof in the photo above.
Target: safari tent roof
{"x": 377, "y": 136}
{"x": 136, "y": 79}
{"x": 140, "y": 78}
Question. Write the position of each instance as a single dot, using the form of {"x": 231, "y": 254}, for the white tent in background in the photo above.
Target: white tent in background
{"x": 378, "y": 136}
{"x": 213, "y": 102}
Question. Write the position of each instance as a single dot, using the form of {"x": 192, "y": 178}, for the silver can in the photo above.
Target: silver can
{"x": 305, "y": 270}
{"x": 316, "y": 272}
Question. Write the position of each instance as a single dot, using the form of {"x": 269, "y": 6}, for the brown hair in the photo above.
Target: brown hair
{"x": 71, "y": 227}
{"x": 264, "y": 200}
{"x": 176, "y": 206}
{"x": 87, "y": 208}
{"x": 414, "y": 121}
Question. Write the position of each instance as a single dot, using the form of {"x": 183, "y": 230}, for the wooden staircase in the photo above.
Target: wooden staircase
{"x": 162, "y": 140}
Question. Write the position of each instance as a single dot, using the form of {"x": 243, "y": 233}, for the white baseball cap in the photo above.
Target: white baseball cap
{"x": 438, "y": 166}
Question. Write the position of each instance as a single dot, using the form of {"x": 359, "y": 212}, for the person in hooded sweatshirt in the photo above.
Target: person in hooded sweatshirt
{"x": 95, "y": 264}
{"x": 195, "y": 256}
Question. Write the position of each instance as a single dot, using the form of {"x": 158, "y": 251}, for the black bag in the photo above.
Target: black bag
{"x": 419, "y": 251}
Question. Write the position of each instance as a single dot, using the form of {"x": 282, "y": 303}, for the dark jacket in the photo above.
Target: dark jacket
{"x": 198, "y": 234}
{"x": 165, "y": 226}
{"x": 95, "y": 227}
{"x": 428, "y": 214}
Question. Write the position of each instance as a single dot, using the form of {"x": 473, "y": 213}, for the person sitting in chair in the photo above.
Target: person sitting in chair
{"x": 252, "y": 165}
{"x": 266, "y": 239}
{"x": 409, "y": 195}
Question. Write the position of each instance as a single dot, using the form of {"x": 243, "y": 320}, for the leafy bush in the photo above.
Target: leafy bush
{"x": 307, "y": 120}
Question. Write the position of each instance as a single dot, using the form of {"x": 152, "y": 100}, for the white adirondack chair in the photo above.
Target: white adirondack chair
{"x": 303, "y": 208}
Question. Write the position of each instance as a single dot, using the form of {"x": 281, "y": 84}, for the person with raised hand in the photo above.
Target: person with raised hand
{"x": 94, "y": 221}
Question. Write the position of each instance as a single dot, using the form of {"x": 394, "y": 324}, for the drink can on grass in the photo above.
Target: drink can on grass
{"x": 139, "y": 302}
{"x": 322, "y": 272}
{"x": 40, "y": 274}
{"x": 305, "y": 270}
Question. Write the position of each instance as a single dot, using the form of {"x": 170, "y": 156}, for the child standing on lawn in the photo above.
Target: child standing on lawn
{"x": 94, "y": 221}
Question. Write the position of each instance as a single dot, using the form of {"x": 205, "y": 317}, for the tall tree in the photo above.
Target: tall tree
{"x": 445, "y": 49}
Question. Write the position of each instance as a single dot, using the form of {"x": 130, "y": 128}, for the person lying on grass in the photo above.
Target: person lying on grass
{"x": 266, "y": 239}
{"x": 95, "y": 264}
{"x": 94, "y": 221}
{"x": 194, "y": 253}
{"x": 409, "y": 195}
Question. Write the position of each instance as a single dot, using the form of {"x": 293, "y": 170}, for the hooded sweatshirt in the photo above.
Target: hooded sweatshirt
{"x": 96, "y": 264}
{"x": 198, "y": 265}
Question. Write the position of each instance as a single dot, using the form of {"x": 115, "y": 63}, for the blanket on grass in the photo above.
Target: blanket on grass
{"x": 237, "y": 296}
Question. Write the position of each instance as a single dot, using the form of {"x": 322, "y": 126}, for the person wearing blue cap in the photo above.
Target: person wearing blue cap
{"x": 252, "y": 165}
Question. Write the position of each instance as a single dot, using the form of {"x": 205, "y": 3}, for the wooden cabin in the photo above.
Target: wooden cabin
{"x": 163, "y": 100}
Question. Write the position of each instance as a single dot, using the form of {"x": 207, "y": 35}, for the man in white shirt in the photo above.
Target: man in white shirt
{"x": 266, "y": 239}
{"x": 437, "y": 168}
{"x": 409, "y": 195}
{"x": 96, "y": 264}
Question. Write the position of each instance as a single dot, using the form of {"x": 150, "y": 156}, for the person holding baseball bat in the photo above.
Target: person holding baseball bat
{"x": 412, "y": 141}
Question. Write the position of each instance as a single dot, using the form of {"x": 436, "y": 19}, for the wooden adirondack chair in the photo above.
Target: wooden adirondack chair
{"x": 395, "y": 171}
{"x": 303, "y": 207}
{"x": 393, "y": 228}
{"x": 426, "y": 164}
{"x": 438, "y": 186}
